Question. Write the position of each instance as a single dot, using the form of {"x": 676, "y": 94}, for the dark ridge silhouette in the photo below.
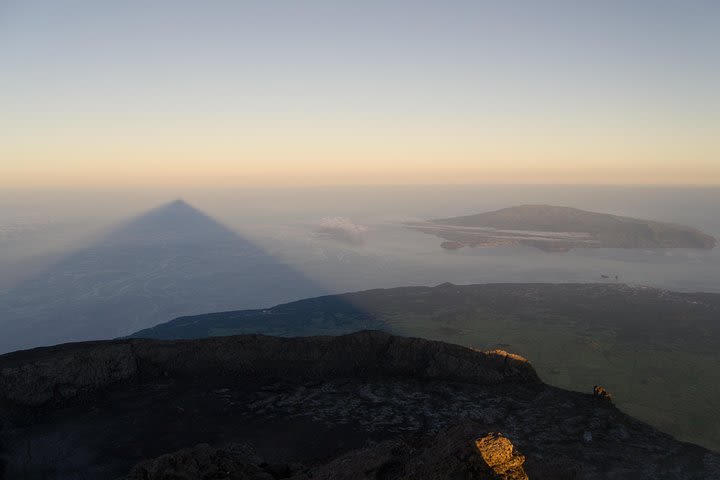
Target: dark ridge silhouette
{"x": 174, "y": 260}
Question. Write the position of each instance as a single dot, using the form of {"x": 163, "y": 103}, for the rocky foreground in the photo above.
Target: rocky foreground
{"x": 362, "y": 406}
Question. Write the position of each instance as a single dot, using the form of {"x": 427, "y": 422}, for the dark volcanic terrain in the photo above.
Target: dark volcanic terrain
{"x": 560, "y": 229}
{"x": 367, "y": 405}
{"x": 656, "y": 350}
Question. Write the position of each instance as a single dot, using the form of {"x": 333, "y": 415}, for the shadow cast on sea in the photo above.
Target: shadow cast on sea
{"x": 171, "y": 261}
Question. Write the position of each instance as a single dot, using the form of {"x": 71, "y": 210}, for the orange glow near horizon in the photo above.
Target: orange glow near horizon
{"x": 333, "y": 165}
{"x": 352, "y": 175}
{"x": 186, "y": 149}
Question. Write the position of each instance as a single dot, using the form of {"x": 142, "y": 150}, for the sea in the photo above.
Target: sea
{"x": 348, "y": 238}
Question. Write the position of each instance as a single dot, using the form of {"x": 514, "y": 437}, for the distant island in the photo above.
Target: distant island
{"x": 559, "y": 229}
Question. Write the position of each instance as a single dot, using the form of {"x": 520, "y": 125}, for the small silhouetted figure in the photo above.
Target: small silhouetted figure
{"x": 601, "y": 394}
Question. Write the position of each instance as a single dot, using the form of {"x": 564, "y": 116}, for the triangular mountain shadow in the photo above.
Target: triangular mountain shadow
{"x": 178, "y": 222}
{"x": 172, "y": 261}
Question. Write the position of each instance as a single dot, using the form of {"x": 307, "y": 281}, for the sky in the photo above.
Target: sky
{"x": 237, "y": 93}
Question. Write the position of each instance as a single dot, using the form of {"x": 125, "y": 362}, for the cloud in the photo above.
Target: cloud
{"x": 341, "y": 229}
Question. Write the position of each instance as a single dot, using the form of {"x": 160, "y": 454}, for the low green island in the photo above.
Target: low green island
{"x": 559, "y": 229}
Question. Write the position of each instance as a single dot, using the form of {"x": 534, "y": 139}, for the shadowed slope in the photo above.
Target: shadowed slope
{"x": 635, "y": 340}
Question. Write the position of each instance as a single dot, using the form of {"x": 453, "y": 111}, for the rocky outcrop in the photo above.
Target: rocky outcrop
{"x": 44, "y": 375}
{"x": 451, "y": 454}
{"x": 55, "y": 374}
{"x": 500, "y": 456}
{"x": 602, "y": 395}
{"x": 203, "y": 462}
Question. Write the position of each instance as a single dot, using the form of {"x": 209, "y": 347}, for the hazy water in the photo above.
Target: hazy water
{"x": 391, "y": 256}
{"x": 38, "y": 228}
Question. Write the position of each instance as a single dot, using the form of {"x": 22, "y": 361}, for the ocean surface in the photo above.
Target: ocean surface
{"x": 351, "y": 238}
